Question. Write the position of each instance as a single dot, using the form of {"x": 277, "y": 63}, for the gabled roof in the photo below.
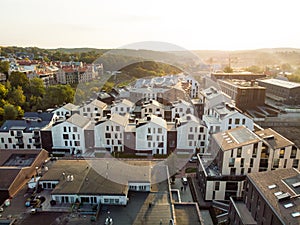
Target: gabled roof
{"x": 69, "y": 106}
{"x": 122, "y": 120}
{"x": 98, "y": 104}
{"x": 78, "y": 120}
{"x": 126, "y": 102}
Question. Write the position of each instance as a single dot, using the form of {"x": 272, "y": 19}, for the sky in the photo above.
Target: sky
{"x": 190, "y": 24}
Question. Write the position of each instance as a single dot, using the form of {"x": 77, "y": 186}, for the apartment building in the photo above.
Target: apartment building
{"x": 238, "y": 152}
{"x": 224, "y": 117}
{"x": 151, "y": 135}
{"x": 191, "y": 133}
{"x": 269, "y": 198}
{"x": 66, "y": 110}
{"x": 69, "y": 136}
{"x": 248, "y": 76}
{"x": 122, "y": 107}
{"x": 25, "y": 133}
{"x": 109, "y": 132}
{"x": 194, "y": 86}
{"x": 94, "y": 109}
{"x": 181, "y": 108}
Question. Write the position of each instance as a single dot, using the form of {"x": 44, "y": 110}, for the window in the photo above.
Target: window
{"x": 191, "y": 129}
{"x": 201, "y": 130}
{"x": 77, "y": 143}
{"x": 232, "y": 171}
{"x": 65, "y": 129}
{"x": 190, "y": 143}
{"x": 239, "y": 152}
{"x": 107, "y": 128}
{"x": 149, "y": 130}
{"x": 242, "y": 162}
{"x": 295, "y": 163}
{"x": 195, "y": 129}
{"x": 254, "y": 153}
{"x": 249, "y": 170}
{"x": 149, "y": 144}
{"x": 9, "y": 140}
{"x": 149, "y": 137}
{"x": 244, "y": 121}
{"x": 66, "y": 143}
{"x": 108, "y": 142}
{"x": 159, "y": 130}
{"x": 281, "y": 153}
{"x": 293, "y": 152}
{"x": 230, "y": 121}
{"x": 74, "y": 129}
{"x": 251, "y": 162}
{"x": 237, "y": 121}
{"x": 242, "y": 171}
{"x": 12, "y": 133}
{"x": 231, "y": 162}
{"x": 73, "y": 136}
{"x": 88, "y": 109}
{"x": 107, "y": 135}
{"x": 2, "y": 140}
{"x": 65, "y": 136}
{"x": 276, "y": 163}
{"x": 190, "y": 137}
{"x": 117, "y": 128}
{"x": 217, "y": 186}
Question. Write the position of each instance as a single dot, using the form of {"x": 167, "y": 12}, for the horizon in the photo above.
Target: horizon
{"x": 199, "y": 25}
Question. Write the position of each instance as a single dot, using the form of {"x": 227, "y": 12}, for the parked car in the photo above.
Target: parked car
{"x": 184, "y": 180}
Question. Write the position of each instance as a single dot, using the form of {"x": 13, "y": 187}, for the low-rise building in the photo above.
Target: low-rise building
{"x": 93, "y": 109}
{"x": 281, "y": 90}
{"x": 66, "y": 110}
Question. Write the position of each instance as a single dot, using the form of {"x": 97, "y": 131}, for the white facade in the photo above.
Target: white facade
{"x": 65, "y": 110}
{"x": 152, "y": 107}
{"x": 122, "y": 107}
{"x": 69, "y": 135}
{"x": 194, "y": 87}
{"x": 151, "y": 136}
{"x": 109, "y": 133}
{"x": 182, "y": 108}
{"x": 191, "y": 134}
{"x": 93, "y": 109}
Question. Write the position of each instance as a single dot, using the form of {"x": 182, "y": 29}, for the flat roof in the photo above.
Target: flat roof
{"x": 187, "y": 214}
{"x": 244, "y": 213}
{"x": 269, "y": 183}
{"x": 274, "y": 139}
{"x": 281, "y": 83}
{"x": 235, "y": 138}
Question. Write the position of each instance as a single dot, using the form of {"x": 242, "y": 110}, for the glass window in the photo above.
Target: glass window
{"x": 231, "y": 162}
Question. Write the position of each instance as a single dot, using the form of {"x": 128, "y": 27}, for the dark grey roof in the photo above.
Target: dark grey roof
{"x": 26, "y": 126}
{"x": 45, "y": 116}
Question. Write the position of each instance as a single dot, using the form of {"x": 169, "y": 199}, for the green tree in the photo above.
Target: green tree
{"x": 37, "y": 87}
{"x": 3, "y": 91}
{"x": 19, "y": 79}
{"x": 10, "y": 112}
{"x": 4, "y": 67}
{"x": 57, "y": 95}
{"x": 16, "y": 96}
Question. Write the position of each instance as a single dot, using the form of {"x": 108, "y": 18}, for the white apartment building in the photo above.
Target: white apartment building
{"x": 152, "y": 107}
{"x": 182, "y": 108}
{"x": 240, "y": 151}
{"x": 66, "y": 110}
{"x": 69, "y": 135}
{"x": 191, "y": 133}
{"x": 122, "y": 107}
{"x": 224, "y": 117}
{"x": 109, "y": 132}
{"x": 194, "y": 87}
{"x": 93, "y": 110}
{"x": 151, "y": 135}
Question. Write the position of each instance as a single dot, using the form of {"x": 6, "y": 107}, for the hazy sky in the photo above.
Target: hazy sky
{"x": 191, "y": 24}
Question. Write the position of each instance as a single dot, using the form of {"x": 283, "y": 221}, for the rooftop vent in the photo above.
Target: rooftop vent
{"x": 295, "y": 185}
{"x": 284, "y": 196}
{"x": 295, "y": 214}
{"x": 278, "y": 193}
{"x": 288, "y": 205}
{"x": 272, "y": 186}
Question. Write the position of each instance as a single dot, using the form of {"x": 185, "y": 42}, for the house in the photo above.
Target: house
{"x": 66, "y": 110}
{"x": 191, "y": 133}
{"x": 69, "y": 136}
{"x": 122, "y": 107}
{"x": 93, "y": 109}
{"x": 151, "y": 136}
{"x": 181, "y": 108}
{"x": 25, "y": 133}
{"x": 269, "y": 198}
{"x": 109, "y": 132}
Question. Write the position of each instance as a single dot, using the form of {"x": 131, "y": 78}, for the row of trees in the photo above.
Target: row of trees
{"x": 19, "y": 94}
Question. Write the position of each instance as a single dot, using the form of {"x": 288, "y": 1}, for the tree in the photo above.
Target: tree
{"x": 4, "y": 67}
{"x": 16, "y": 96}
{"x": 37, "y": 87}
{"x": 19, "y": 79}
{"x": 57, "y": 95}
{"x": 3, "y": 91}
{"x": 9, "y": 112}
